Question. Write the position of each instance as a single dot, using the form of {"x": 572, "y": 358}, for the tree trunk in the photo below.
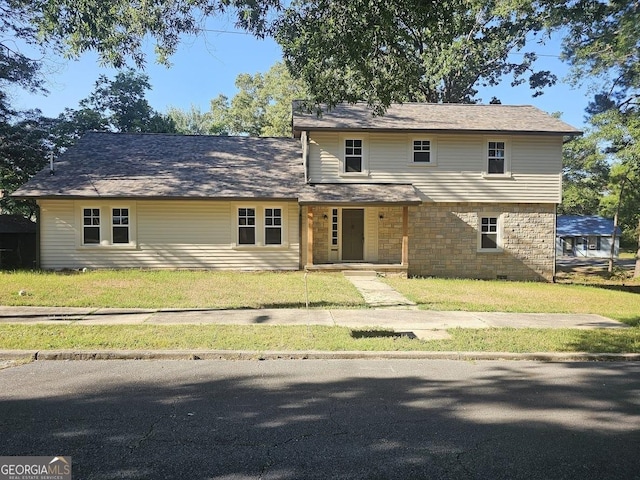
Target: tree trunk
{"x": 636, "y": 272}
{"x": 615, "y": 226}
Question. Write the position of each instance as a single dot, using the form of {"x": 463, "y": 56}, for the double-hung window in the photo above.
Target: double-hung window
{"x": 353, "y": 156}
{"x": 489, "y": 232}
{"x": 496, "y": 158}
{"x": 90, "y": 226}
{"x": 246, "y": 226}
{"x": 120, "y": 225}
{"x": 421, "y": 151}
{"x": 272, "y": 226}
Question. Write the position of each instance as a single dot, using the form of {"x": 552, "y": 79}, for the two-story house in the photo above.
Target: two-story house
{"x": 437, "y": 190}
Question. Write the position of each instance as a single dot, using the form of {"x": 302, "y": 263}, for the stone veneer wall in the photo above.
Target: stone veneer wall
{"x": 443, "y": 241}
{"x": 320, "y": 234}
{"x": 390, "y": 235}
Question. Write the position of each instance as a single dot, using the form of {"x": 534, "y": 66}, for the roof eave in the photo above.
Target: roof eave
{"x": 572, "y": 133}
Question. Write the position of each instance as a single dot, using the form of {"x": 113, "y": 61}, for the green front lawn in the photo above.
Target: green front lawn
{"x": 177, "y": 289}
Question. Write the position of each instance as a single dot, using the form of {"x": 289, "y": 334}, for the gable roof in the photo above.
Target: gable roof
{"x": 16, "y": 224}
{"x": 584, "y": 225}
{"x": 432, "y": 117}
{"x": 120, "y": 165}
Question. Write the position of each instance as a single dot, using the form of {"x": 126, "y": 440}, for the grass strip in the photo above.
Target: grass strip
{"x": 617, "y": 302}
{"x": 265, "y": 337}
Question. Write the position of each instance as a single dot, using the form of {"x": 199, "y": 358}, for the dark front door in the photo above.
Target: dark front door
{"x": 352, "y": 234}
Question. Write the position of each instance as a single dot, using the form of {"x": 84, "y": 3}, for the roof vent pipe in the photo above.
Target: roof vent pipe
{"x": 51, "y": 170}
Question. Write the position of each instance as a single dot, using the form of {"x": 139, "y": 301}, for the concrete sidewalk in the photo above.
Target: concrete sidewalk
{"x": 417, "y": 321}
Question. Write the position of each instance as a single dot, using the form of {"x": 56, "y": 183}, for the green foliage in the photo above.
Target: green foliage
{"x": 382, "y": 51}
{"x": 195, "y": 122}
{"x": 603, "y": 46}
{"x": 118, "y": 29}
{"x": 122, "y": 104}
{"x": 585, "y": 176}
{"x": 262, "y": 107}
{"x": 24, "y": 148}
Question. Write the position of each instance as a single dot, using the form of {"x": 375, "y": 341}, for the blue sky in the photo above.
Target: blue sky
{"x": 207, "y": 66}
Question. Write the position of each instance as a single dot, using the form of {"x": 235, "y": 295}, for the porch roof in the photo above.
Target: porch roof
{"x": 359, "y": 193}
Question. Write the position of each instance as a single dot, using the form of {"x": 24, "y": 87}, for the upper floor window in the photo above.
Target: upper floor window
{"x": 120, "y": 225}
{"x": 421, "y": 151}
{"x": 353, "y": 155}
{"x": 246, "y": 226}
{"x": 272, "y": 226}
{"x": 90, "y": 226}
{"x": 496, "y": 158}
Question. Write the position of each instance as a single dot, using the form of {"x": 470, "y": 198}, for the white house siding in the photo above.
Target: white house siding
{"x": 456, "y": 175}
{"x": 168, "y": 234}
{"x": 580, "y": 250}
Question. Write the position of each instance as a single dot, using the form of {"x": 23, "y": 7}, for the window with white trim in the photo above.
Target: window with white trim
{"x": 421, "y": 151}
{"x": 272, "y": 226}
{"x": 90, "y": 226}
{"x": 496, "y": 158}
{"x": 120, "y": 225}
{"x": 489, "y": 232}
{"x": 353, "y": 157}
{"x": 246, "y": 226}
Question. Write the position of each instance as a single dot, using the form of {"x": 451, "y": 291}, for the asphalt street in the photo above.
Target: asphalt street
{"x": 323, "y": 419}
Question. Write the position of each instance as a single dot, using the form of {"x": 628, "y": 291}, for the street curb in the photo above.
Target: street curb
{"x": 308, "y": 355}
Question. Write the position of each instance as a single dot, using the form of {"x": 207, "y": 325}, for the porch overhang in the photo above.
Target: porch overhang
{"x": 351, "y": 194}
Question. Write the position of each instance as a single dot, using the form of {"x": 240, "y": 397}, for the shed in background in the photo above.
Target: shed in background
{"x": 17, "y": 242}
{"x": 585, "y": 236}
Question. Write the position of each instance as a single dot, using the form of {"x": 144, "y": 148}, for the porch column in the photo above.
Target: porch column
{"x": 405, "y": 236}
{"x": 309, "y": 236}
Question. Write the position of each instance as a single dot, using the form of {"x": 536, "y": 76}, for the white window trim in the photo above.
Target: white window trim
{"x": 507, "y": 158}
{"x": 265, "y": 226}
{"x": 106, "y": 226}
{"x": 260, "y": 227}
{"x": 113, "y": 225}
{"x": 499, "y": 233}
{"x": 100, "y": 226}
{"x": 433, "y": 151}
{"x": 365, "y": 155}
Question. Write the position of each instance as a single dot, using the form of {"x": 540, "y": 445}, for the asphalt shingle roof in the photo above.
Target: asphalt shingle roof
{"x": 584, "y": 225}
{"x": 444, "y": 117}
{"x": 116, "y": 165}
{"x": 372, "y": 193}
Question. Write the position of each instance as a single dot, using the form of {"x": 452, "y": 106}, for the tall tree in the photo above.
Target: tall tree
{"x": 24, "y": 147}
{"x": 122, "y": 104}
{"x": 603, "y": 46}
{"x": 262, "y": 107}
{"x": 385, "y": 51}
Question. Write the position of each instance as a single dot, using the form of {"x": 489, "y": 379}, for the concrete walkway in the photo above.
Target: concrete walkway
{"x": 375, "y": 293}
{"x": 389, "y": 319}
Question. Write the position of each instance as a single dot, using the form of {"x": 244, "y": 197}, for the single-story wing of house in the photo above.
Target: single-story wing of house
{"x": 428, "y": 189}
{"x": 586, "y": 236}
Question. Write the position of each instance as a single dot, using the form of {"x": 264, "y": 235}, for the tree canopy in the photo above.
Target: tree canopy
{"x": 385, "y": 51}
{"x": 262, "y": 107}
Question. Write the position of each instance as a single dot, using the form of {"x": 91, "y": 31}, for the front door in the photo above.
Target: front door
{"x": 352, "y": 234}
